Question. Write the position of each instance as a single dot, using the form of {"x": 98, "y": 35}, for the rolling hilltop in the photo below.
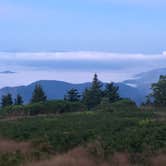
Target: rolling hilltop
{"x": 135, "y": 89}
{"x": 57, "y": 90}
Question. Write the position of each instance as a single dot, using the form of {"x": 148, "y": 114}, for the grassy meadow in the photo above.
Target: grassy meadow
{"x": 134, "y": 135}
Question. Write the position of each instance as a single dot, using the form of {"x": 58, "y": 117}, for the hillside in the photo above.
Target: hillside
{"x": 57, "y": 90}
{"x": 144, "y": 80}
{"x": 96, "y": 137}
{"x": 135, "y": 89}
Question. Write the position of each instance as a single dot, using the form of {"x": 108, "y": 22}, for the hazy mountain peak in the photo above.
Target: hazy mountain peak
{"x": 7, "y": 72}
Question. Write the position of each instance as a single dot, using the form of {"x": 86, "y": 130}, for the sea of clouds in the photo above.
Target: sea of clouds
{"x": 74, "y": 67}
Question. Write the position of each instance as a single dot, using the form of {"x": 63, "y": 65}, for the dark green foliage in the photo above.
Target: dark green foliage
{"x": 124, "y": 105}
{"x": 19, "y": 100}
{"x": 72, "y": 95}
{"x": 7, "y": 100}
{"x": 104, "y": 105}
{"x": 54, "y": 107}
{"x": 132, "y": 131}
{"x": 11, "y": 159}
{"x": 47, "y": 107}
{"x": 92, "y": 96}
{"x": 88, "y": 98}
{"x": 38, "y": 94}
{"x": 121, "y": 105}
{"x": 148, "y": 102}
{"x": 111, "y": 92}
{"x": 159, "y": 92}
{"x": 14, "y": 110}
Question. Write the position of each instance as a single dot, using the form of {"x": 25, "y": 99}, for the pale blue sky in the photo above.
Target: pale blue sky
{"x": 126, "y": 26}
{"x": 70, "y": 40}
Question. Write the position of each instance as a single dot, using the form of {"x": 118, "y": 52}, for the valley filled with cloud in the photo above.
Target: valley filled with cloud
{"x": 75, "y": 67}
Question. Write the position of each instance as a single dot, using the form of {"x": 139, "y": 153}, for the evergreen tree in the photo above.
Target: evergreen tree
{"x": 159, "y": 92}
{"x": 87, "y": 98}
{"x": 96, "y": 84}
{"x": 72, "y": 95}
{"x": 7, "y": 100}
{"x": 38, "y": 94}
{"x": 111, "y": 92}
{"x": 92, "y": 96}
{"x": 148, "y": 101}
{"x": 19, "y": 100}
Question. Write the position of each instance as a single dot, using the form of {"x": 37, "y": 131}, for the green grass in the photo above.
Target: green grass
{"x": 131, "y": 131}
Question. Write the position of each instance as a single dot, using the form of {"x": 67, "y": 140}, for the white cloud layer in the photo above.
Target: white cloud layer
{"x": 91, "y": 56}
{"x": 74, "y": 66}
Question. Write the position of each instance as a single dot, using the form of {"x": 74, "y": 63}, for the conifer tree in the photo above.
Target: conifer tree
{"x": 159, "y": 92}
{"x": 72, "y": 95}
{"x": 19, "y": 100}
{"x": 38, "y": 94}
{"x": 92, "y": 96}
{"x": 7, "y": 100}
{"x": 111, "y": 92}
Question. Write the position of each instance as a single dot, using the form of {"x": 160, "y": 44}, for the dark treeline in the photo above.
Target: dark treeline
{"x": 94, "y": 95}
{"x": 38, "y": 95}
{"x": 158, "y": 95}
{"x": 91, "y": 97}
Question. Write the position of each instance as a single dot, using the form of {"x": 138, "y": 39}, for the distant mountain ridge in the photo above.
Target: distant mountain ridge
{"x": 57, "y": 90}
{"x": 147, "y": 77}
{"x": 7, "y": 72}
{"x": 143, "y": 81}
{"x": 136, "y": 89}
{"x": 53, "y": 89}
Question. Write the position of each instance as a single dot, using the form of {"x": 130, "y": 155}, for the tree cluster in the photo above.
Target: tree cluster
{"x": 72, "y": 95}
{"x": 38, "y": 95}
{"x": 93, "y": 96}
{"x": 158, "y": 95}
{"x": 7, "y": 100}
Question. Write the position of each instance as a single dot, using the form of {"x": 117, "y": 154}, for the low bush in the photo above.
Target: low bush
{"x": 54, "y": 107}
{"x": 131, "y": 131}
{"x": 125, "y": 104}
{"x": 105, "y": 106}
{"x": 11, "y": 159}
{"x": 48, "y": 107}
{"x": 14, "y": 110}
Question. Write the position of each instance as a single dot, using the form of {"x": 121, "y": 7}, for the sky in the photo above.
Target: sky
{"x": 127, "y": 26}
{"x": 71, "y": 40}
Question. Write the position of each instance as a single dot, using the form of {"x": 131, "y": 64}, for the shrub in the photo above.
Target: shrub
{"x": 36, "y": 108}
{"x": 15, "y": 110}
{"x": 11, "y": 159}
{"x": 64, "y": 106}
{"x": 48, "y": 107}
{"x": 105, "y": 105}
{"x": 125, "y": 104}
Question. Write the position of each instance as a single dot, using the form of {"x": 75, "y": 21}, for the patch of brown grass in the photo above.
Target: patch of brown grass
{"x": 13, "y": 146}
{"x": 81, "y": 157}
{"x": 76, "y": 157}
{"x": 159, "y": 160}
{"x": 120, "y": 159}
